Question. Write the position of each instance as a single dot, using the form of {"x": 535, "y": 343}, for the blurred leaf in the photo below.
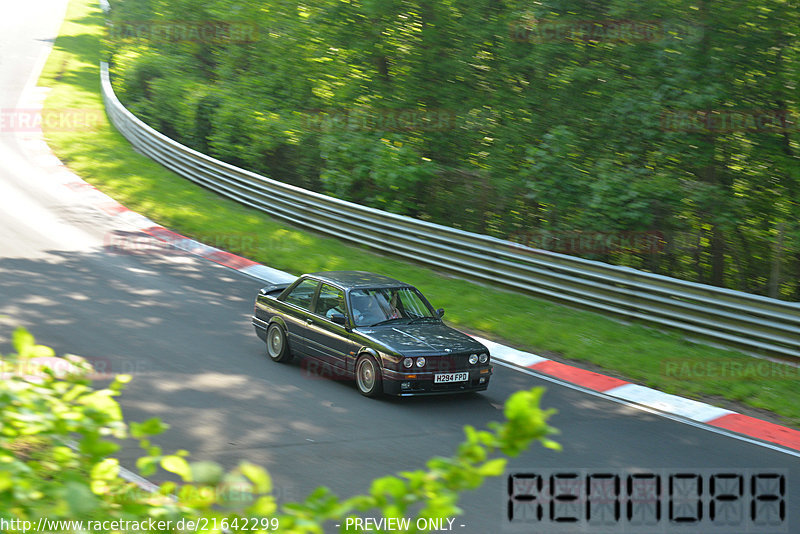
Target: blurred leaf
{"x": 258, "y": 476}
{"x": 151, "y": 427}
{"x": 206, "y": 472}
{"x": 22, "y": 340}
{"x": 179, "y": 466}
{"x": 493, "y": 468}
{"x": 107, "y": 469}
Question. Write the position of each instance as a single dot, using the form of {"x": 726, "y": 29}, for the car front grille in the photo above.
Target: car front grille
{"x": 449, "y": 363}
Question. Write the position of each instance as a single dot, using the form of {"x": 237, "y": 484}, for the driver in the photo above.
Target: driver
{"x": 366, "y": 309}
{"x": 338, "y": 308}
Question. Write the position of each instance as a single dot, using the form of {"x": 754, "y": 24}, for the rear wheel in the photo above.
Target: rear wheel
{"x": 368, "y": 376}
{"x": 277, "y": 346}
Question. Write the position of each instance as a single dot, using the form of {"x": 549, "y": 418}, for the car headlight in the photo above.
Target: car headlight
{"x": 484, "y": 358}
{"x": 408, "y": 362}
{"x": 420, "y": 362}
{"x": 473, "y": 359}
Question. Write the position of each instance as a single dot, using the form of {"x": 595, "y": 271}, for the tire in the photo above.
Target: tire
{"x": 368, "y": 376}
{"x": 277, "y": 345}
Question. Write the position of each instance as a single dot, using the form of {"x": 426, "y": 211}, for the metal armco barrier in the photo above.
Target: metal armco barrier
{"x": 732, "y": 318}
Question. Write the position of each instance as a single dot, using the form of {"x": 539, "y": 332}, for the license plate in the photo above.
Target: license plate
{"x": 445, "y": 378}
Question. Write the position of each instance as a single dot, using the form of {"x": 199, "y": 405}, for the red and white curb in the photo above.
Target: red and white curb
{"x": 222, "y": 257}
{"x": 614, "y": 388}
{"x": 686, "y": 409}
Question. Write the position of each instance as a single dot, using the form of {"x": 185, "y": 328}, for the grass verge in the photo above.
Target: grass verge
{"x": 662, "y": 360}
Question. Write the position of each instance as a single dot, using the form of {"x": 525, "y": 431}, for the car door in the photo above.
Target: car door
{"x": 325, "y": 339}
{"x": 298, "y": 312}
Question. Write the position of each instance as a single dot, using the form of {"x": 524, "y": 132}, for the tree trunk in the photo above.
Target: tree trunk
{"x": 717, "y": 256}
{"x": 777, "y": 258}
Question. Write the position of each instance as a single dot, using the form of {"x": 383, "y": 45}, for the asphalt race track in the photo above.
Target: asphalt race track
{"x": 180, "y": 325}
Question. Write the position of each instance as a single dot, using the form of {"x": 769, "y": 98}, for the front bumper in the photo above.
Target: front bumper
{"x": 406, "y": 384}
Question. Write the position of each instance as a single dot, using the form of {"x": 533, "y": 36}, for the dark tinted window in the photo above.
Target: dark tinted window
{"x": 302, "y": 294}
{"x": 330, "y": 301}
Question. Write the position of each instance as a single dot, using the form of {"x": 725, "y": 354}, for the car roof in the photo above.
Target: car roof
{"x": 357, "y": 279}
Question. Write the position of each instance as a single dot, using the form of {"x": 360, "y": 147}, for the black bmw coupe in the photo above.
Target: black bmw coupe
{"x": 379, "y": 331}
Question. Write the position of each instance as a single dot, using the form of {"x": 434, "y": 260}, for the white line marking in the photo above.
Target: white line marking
{"x": 142, "y": 482}
{"x": 688, "y": 408}
{"x": 267, "y": 274}
{"x": 653, "y": 411}
{"x": 503, "y": 352}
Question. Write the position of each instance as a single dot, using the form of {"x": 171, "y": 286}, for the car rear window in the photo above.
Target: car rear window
{"x": 302, "y": 294}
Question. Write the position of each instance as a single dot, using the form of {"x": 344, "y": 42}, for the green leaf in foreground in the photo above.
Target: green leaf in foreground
{"x": 84, "y": 482}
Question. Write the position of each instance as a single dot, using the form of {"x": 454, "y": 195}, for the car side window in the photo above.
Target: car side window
{"x": 302, "y": 294}
{"x": 367, "y": 306}
{"x": 330, "y": 301}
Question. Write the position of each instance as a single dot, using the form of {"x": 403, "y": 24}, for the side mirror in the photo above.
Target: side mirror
{"x": 339, "y": 318}
{"x": 440, "y": 312}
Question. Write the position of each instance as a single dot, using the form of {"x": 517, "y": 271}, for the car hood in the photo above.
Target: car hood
{"x": 422, "y": 338}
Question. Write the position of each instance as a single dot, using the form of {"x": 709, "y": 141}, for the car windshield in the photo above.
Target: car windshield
{"x": 374, "y": 306}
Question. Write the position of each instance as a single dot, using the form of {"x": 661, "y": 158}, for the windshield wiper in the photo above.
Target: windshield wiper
{"x": 388, "y": 321}
{"x": 424, "y": 317}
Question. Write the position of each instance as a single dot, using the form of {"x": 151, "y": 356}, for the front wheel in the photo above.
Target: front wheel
{"x": 368, "y": 376}
{"x": 277, "y": 346}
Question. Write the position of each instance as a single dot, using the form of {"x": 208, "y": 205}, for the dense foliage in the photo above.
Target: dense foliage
{"x": 662, "y": 136}
{"x": 59, "y": 435}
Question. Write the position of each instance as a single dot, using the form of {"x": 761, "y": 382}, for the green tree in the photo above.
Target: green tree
{"x": 589, "y": 116}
